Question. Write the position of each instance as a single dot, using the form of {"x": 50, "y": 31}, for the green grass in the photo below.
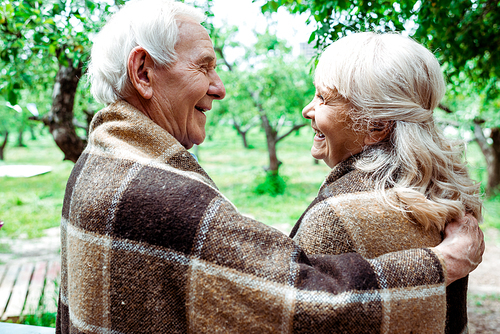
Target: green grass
{"x": 480, "y": 299}
{"x": 28, "y": 206}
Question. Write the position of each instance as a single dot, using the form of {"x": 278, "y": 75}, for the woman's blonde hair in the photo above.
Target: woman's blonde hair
{"x": 392, "y": 82}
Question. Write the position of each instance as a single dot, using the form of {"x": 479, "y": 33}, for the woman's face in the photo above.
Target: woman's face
{"x": 335, "y": 140}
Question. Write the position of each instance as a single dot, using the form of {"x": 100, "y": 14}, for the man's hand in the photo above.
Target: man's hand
{"x": 462, "y": 247}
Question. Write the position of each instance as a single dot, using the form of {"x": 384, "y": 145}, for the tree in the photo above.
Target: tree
{"x": 269, "y": 84}
{"x": 462, "y": 33}
{"x": 41, "y": 41}
{"x": 231, "y": 110}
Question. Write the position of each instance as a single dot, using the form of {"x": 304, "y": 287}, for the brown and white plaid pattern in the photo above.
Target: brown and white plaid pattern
{"x": 149, "y": 245}
{"x": 346, "y": 218}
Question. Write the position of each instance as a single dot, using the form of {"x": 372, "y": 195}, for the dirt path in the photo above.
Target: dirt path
{"x": 484, "y": 282}
{"x": 484, "y": 289}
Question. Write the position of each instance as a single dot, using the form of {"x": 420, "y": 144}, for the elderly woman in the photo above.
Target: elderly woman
{"x": 149, "y": 244}
{"x": 395, "y": 180}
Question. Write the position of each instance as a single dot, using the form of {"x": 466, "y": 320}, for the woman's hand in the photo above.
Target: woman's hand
{"x": 462, "y": 247}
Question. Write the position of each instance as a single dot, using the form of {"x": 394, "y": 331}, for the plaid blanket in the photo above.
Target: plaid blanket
{"x": 149, "y": 245}
{"x": 345, "y": 218}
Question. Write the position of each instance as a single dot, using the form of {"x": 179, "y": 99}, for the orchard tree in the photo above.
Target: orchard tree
{"x": 464, "y": 35}
{"x": 234, "y": 109}
{"x": 43, "y": 40}
{"x": 267, "y": 83}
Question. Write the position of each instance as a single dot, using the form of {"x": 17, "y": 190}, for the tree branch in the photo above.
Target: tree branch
{"x": 445, "y": 108}
{"x": 294, "y": 128}
{"x": 223, "y": 57}
{"x": 6, "y": 137}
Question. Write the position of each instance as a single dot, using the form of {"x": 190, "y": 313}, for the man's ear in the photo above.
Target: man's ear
{"x": 378, "y": 132}
{"x": 139, "y": 67}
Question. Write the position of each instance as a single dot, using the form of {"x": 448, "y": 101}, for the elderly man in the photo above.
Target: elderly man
{"x": 149, "y": 244}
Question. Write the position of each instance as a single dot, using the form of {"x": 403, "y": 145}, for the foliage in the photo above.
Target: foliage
{"x": 44, "y": 49}
{"x": 38, "y": 35}
{"x": 463, "y": 33}
{"x": 266, "y": 83}
{"x": 492, "y": 212}
{"x": 272, "y": 184}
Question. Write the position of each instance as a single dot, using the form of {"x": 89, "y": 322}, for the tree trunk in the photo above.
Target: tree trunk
{"x": 60, "y": 118}
{"x": 492, "y": 156}
{"x": 32, "y": 132}
{"x": 271, "y": 137}
{"x": 244, "y": 129}
{"x": 244, "y": 138}
{"x": 3, "y": 145}
{"x": 494, "y": 167}
{"x": 242, "y": 133}
{"x": 20, "y": 142}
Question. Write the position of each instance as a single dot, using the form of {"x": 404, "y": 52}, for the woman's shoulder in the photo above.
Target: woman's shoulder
{"x": 360, "y": 222}
{"x": 346, "y": 179}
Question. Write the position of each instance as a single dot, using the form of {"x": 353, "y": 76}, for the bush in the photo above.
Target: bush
{"x": 272, "y": 184}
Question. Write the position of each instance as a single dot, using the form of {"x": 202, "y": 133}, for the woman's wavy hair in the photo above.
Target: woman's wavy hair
{"x": 147, "y": 23}
{"x": 390, "y": 81}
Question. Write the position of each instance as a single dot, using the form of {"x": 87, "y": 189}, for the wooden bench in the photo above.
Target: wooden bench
{"x": 26, "y": 289}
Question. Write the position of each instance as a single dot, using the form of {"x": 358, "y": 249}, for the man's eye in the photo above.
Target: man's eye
{"x": 320, "y": 97}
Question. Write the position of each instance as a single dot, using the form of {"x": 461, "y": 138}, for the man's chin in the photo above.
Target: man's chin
{"x": 195, "y": 141}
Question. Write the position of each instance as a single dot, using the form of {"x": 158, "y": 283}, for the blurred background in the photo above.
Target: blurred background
{"x": 257, "y": 146}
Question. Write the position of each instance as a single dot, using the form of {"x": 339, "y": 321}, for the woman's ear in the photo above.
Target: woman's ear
{"x": 378, "y": 132}
{"x": 139, "y": 67}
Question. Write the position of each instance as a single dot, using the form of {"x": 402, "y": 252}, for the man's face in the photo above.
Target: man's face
{"x": 185, "y": 91}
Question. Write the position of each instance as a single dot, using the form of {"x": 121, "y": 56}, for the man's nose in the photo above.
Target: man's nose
{"x": 216, "y": 88}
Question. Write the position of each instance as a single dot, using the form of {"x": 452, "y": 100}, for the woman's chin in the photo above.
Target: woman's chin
{"x": 317, "y": 154}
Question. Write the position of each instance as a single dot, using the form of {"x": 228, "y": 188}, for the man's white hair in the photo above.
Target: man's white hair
{"x": 150, "y": 24}
{"x": 388, "y": 79}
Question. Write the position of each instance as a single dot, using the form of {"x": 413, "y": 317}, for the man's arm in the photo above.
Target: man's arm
{"x": 462, "y": 248}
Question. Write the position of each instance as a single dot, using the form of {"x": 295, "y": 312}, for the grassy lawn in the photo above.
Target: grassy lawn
{"x": 30, "y": 205}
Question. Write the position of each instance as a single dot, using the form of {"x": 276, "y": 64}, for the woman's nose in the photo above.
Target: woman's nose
{"x": 308, "y": 111}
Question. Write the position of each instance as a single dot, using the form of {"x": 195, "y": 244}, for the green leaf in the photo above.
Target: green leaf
{"x": 12, "y": 97}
